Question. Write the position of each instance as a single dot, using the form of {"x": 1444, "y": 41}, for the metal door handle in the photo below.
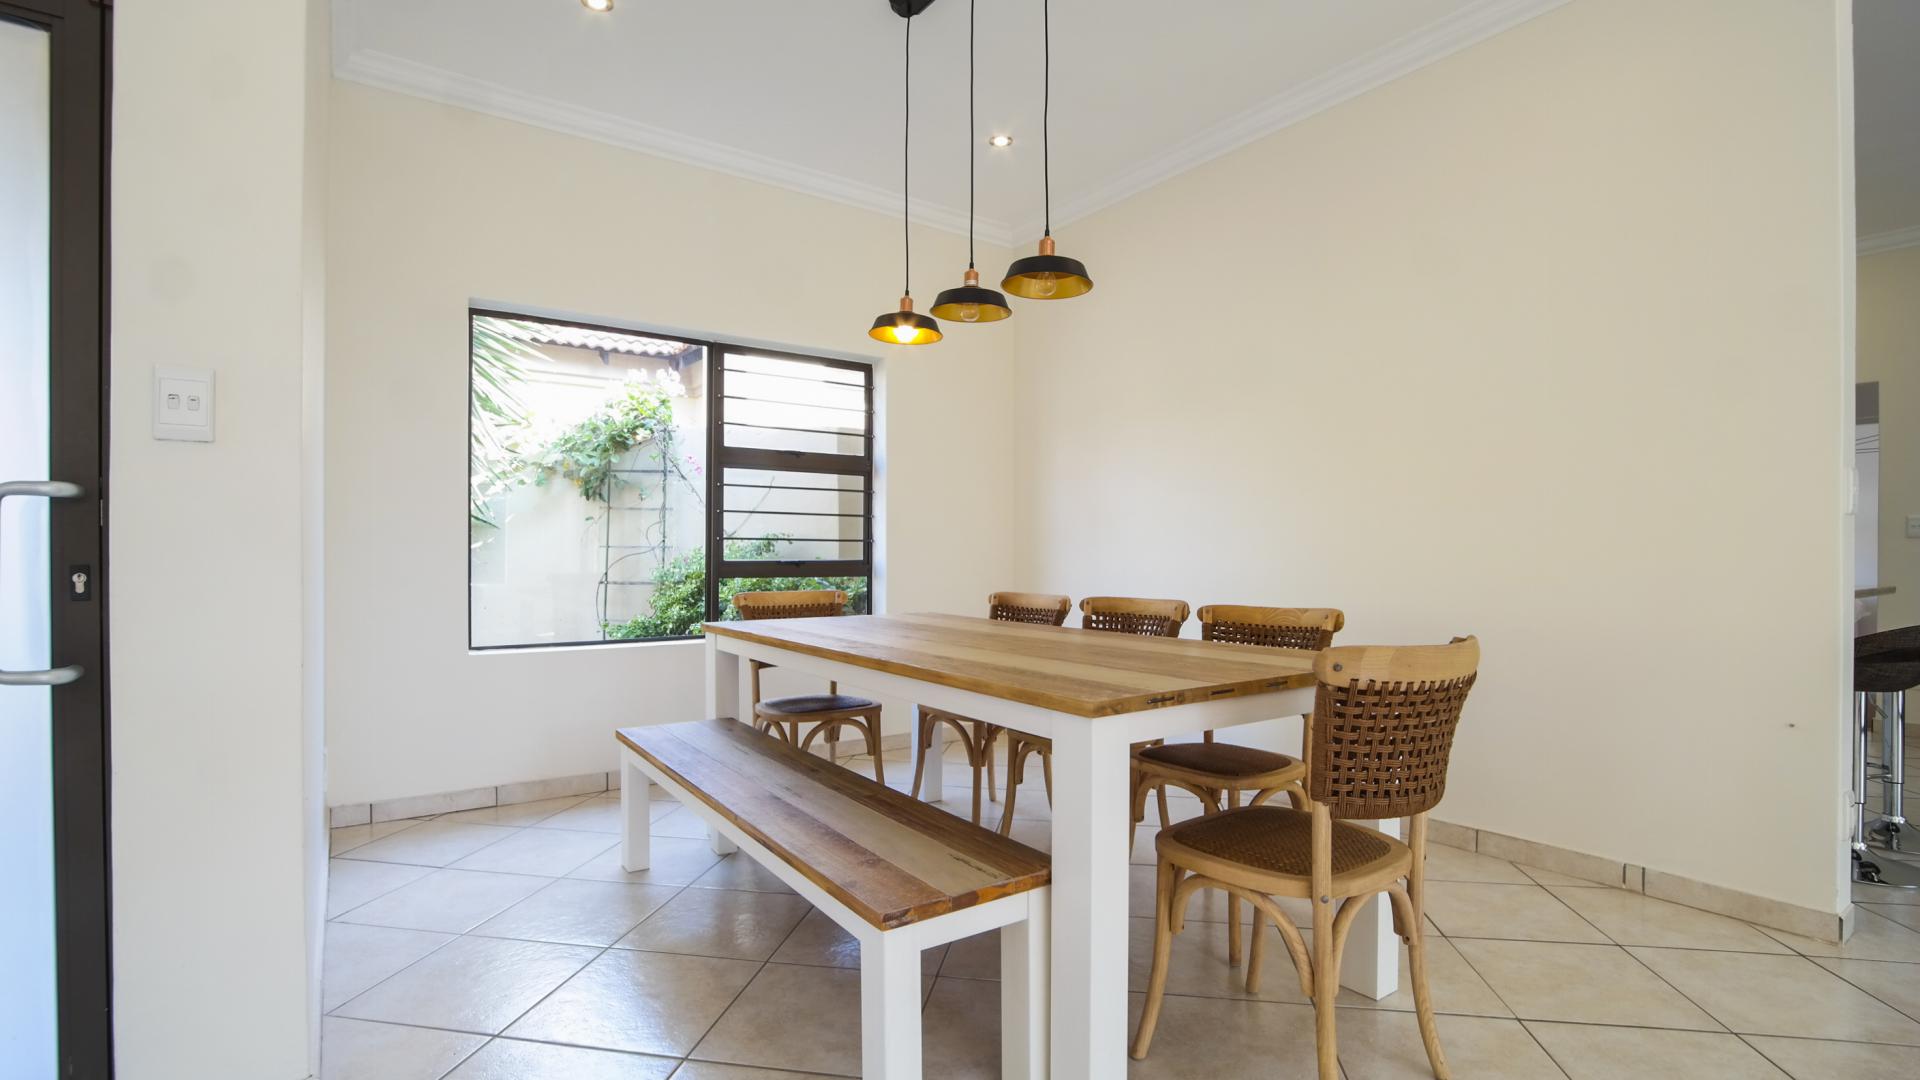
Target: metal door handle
{"x": 43, "y": 489}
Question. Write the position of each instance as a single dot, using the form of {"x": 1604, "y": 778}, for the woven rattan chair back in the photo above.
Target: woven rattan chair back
{"x": 1275, "y": 627}
{"x": 1383, "y": 725}
{"x": 1132, "y": 615}
{"x": 1046, "y": 609}
{"x": 795, "y": 604}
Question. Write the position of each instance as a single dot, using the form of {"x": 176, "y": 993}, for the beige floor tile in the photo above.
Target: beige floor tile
{"x": 1896, "y": 984}
{"x": 1514, "y": 912}
{"x": 451, "y": 901}
{"x": 472, "y": 984}
{"x": 432, "y": 843}
{"x": 1592, "y": 1052}
{"x": 547, "y": 852}
{"x": 1387, "y": 1046}
{"x": 343, "y": 840}
{"x": 713, "y": 1070}
{"x": 357, "y": 1050}
{"x": 739, "y": 871}
{"x": 515, "y": 815}
{"x": 960, "y": 1032}
{"x": 573, "y": 911}
{"x": 1875, "y": 937}
{"x": 1907, "y": 916}
{"x": 1811, "y": 1059}
{"x": 1873, "y": 894}
{"x": 1555, "y": 877}
{"x": 513, "y": 1059}
{"x": 1632, "y": 919}
{"x": 350, "y": 884}
{"x": 1457, "y": 988}
{"x": 1207, "y": 905}
{"x": 1037, "y": 835}
{"x": 1143, "y": 850}
{"x": 1584, "y": 984}
{"x": 976, "y": 957}
{"x": 355, "y": 958}
{"x": 1198, "y": 964}
{"x": 643, "y": 1003}
{"x": 1218, "y": 1037}
{"x": 719, "y": 922}
{"x": 597, "y": 814}
{"x": 818, "y": 941}
{"x": 1779, "y": 995}
{"x": 680, "y": 822}
{"x": 671, "y": 861}
{"x": 804, "y": 1018}
{"x": 1452, "y": 864}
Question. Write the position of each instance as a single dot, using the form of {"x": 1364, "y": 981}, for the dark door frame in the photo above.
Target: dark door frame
{"x": 77, "y": 381}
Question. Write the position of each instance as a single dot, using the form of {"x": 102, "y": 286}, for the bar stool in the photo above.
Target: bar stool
{"x": 826, "y": 713}
{"x": 1383, "y": 725}
{"x": 978, "y": 736}
{"x": 1885, "y": 664}
{"x": 1221, "y": 771}
{"x": 1115, "y": 614}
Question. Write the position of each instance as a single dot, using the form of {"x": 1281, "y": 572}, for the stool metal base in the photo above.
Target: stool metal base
{"x": 1884, "y": 873}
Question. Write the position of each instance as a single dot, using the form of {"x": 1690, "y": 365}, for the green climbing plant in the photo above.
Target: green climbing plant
{"x": 588, "y": 452}
{"x": 679, "y": 602}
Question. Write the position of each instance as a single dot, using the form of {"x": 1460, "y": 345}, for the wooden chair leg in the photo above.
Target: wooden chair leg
{"x": 1233, "y": 902}
{"x": 1408, "y": 914}
{"x": 1256, "y": 948}
{"x": 1160, "y": 793}
{"x": 1016, "y": 758}
{"x": 1326, "y": 987}
{"x": 923, "y": 740}
{"x": 977, "y": 765}
{"x": 872, "y": 728}
{"x": 1162, "y": 954}
{"x": 987, "y": 735}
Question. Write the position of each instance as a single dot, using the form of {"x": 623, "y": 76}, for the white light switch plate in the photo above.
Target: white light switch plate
{"x": 1913, "y": 526}
{"x": 182, "y": 403}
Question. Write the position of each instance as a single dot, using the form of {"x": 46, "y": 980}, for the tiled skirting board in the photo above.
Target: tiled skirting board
{"x": 448, "y": 802}
{"x": 1807, "y": 922}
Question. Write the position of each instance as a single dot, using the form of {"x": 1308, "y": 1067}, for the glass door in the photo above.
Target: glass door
{"x": 53, "y": 854}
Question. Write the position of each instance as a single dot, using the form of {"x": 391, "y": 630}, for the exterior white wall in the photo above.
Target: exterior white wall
{"x": 215, "y": 725}
{"x": 434, "y": 207}
{"x": 1548, "y": 343}
{"x": 1890, "y": 355}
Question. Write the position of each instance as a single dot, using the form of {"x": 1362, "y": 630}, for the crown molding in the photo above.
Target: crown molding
{"x": 1888, "y": 241}
{"x": 385, "y": 71}
{"x": 1465, "y": 28}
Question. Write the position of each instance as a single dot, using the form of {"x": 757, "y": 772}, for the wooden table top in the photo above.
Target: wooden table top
{"x": 890, "y": 858}
{"x": 1081, "y": 672}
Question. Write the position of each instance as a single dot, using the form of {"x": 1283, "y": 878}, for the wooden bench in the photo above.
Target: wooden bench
{"x": 897, "y": 874}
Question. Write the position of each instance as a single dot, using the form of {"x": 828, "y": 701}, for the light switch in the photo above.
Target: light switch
{"x": 182, "y": 403}
{"x": 1913, "y": 526}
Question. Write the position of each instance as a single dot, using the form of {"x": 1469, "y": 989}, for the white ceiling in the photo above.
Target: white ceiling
{"x": 806, "y": 93}
{"x": 1886, "y": 68}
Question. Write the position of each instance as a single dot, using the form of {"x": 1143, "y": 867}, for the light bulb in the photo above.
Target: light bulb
{"x": 1047, "y": 286}
{"x": 969, "y": 312}
{"x": 598, "y": 5}
{"x": 904, "y": 333}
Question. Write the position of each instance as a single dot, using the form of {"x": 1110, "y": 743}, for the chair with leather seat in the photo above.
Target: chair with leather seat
{"x": 823, "y": 714}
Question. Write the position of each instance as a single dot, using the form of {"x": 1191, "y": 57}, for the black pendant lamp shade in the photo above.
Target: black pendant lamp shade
{"x": 1047, "y": 276}
{"x": 970, "y": 303}
{"x": 906, "y": 326}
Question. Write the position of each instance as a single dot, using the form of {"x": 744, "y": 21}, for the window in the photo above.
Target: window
{"x": 624, "y": 486}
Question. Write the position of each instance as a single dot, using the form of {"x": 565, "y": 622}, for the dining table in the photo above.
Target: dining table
{"x": 1094, "y": 694}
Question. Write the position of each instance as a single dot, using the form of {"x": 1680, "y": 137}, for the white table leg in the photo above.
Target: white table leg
{"x": 1371, "y": 965}
{"x": 723, "y": 699}
{"x": 1024, "y": 960}
{"x": 636, "y": 826}
{"x": 1090, "y": 881}
{"x": 933, "y": 781}
{"x": 890, "y": 1007}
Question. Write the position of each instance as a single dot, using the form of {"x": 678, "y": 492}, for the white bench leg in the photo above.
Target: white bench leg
{"x": 889, "y": 1008}
{"x": 1024, "y": 958}
{"x": 636, "y": 824}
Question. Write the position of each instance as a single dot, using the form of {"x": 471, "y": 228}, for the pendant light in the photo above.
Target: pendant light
{"x": 906, "y": 326}
{"x": 970, "y": 303}
{"x": 1047, "y": 276}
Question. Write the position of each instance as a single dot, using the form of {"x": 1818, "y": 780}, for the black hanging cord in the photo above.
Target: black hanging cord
{"x": 906, "y": 162}
{"x": 1046, "y": 107}
{"x": 973, "y": 133}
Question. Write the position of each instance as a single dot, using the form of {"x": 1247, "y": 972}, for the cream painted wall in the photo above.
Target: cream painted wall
{"x": 433, "y": 207}
{"x": 213, "y": 738}
{"x": 1547, "y": 343}
{"x": 1890, "y": 355}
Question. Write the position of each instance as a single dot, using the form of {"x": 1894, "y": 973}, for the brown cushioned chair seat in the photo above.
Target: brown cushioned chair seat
{"x": 814, "y": 703}
{"x": 1221, "y": 759}
{"x": 1276, "y": 840}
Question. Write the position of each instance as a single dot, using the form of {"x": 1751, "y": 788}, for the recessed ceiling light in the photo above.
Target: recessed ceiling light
{"x": 1000, "y": 140}
{"x": 597, "y": 5}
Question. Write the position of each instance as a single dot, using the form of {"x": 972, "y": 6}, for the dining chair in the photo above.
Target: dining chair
{"x": 1377, "y": 747}
{"x": 1219, "y": 772}
{"x": 1115, "y": 614}
{"x": 827, "y": 713}
{"x": 978, "y": 736}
